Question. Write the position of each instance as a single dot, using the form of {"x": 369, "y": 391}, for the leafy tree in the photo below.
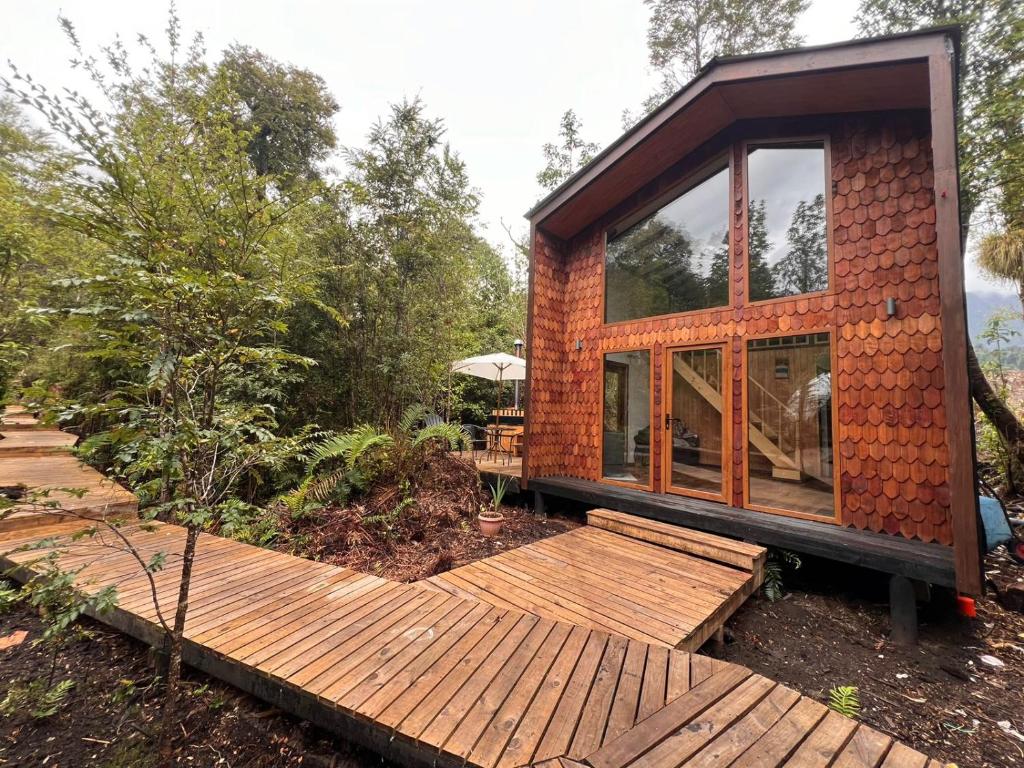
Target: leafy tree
{"x": 32, "y": 251}
{"x": 410, "y": 283}
{"x": 684, "y": 35}
{"x": 562, "y": 160}
{"x": 804, "y": 268}
{"x": 186, "y": 304}
{"x": 991, "y": 147}
{"x": 286, "y": 112}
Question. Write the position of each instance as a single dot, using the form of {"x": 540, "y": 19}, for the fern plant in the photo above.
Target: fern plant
{"x": 350, "y": 455}
{"x": 349, "y": 463}
{"x": 36, "y": 698}
{"x": 774, "y": 567}
{"x": 845, "y": 699}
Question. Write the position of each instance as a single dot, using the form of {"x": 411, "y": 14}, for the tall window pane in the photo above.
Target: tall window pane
{"x": 789, "y": 424}
{"x": 787, "y": 241}
{"x": 695, "y": 420}
{"x": 676, "y": 259}
{"x": 626, "y": 438}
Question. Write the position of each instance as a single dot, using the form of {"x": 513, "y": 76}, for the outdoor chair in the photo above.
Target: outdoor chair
{"x": 477, "y": 438}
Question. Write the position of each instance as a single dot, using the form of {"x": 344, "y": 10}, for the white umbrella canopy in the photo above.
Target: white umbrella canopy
{"x": 498, "y": 366}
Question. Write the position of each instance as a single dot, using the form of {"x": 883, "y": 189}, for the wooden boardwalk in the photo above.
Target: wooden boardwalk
{"x": 34, "y": 442}
{"x": 39, "y": 458}
{"x": 675, "y": 591}
{"x": 429, "y": 678}
{"x": 510, "y": 469}
{"x": 15, "y": 417}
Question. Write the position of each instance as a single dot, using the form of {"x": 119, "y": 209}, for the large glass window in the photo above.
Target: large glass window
{"x": 786, "y": 222}
{"x": 626, "y": 421}
{"x": 789, "y": 424}
{"x": 676, "y": 259}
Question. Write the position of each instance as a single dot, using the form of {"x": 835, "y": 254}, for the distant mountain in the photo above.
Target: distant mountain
{"x": 981, "y": 305}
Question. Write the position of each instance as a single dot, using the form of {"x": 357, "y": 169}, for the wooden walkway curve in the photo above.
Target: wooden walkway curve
{"x": 39, "y": 458}
{"x": 429, "y": 678}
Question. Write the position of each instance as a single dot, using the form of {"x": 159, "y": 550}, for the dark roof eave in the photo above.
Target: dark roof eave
{"x": 952, "y": 30}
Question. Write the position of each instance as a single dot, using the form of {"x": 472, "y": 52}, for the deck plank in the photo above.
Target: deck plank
{"x": 611, "y": 583}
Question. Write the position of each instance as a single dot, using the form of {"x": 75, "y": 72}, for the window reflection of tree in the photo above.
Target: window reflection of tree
{"x": 654, "y": 269}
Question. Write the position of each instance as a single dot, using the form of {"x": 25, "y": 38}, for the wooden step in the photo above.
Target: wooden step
{"x": 35, "y": 442}
{"x": 739, "y": 554}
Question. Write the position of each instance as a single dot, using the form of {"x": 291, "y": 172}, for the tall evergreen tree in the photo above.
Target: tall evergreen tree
{"x": 684, "y": 35}
{"x": 571, "y": 153}
{"x": 804, "y": 268}
{"x": 760, "y": 279}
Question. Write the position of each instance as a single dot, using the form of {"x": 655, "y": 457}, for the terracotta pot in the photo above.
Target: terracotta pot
{"x": 490, "y": 526}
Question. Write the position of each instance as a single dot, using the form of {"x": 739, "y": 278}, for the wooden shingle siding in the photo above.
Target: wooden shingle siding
{"x": 893, "y": 471}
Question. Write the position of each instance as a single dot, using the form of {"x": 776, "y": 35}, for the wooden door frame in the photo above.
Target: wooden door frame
{"x": 725, "y": 345}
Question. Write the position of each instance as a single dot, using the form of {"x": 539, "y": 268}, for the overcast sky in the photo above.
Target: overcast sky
{"x": 499, "y": 73}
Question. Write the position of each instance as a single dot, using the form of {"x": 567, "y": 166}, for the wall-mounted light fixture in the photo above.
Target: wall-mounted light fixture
{"x": 579, "y": 344}
{"x": 890, "y": 306}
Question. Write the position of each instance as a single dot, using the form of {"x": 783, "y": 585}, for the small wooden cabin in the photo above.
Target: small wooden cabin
{"x": 747, "y": 314}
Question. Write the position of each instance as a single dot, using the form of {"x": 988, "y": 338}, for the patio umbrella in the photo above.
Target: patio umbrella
{"x": 499, "y": 367}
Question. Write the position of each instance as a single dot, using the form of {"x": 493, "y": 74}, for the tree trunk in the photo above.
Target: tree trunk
{"x": 174, "y": 650}
{"x": 1003, "y": 419}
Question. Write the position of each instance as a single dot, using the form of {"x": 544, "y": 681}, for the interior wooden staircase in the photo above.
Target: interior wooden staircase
{"x": 783, "y": 467}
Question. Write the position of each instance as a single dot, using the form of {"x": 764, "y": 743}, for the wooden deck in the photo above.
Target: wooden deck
{"x": 674, "y": 593}
{"x": 15, "y": 417}
{"x": 509, "y": 468}
{"x": 932, "y": 563}
{"x": 38, "y": 458}
{"x": 429, "y": 678}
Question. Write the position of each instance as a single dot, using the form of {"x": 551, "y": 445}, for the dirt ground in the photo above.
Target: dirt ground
{"x": 407, "y": 533}
{"x": 450, "y": 548}
{"x": 111, "y": 716}
{"x": 940, "y": 697}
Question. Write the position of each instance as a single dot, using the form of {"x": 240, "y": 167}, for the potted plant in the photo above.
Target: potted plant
{"x": 490, "y": 518}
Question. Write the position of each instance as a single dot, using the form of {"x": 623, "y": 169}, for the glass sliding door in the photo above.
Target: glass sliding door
{"x": 790, "y": 457}
{"x": 695, "y": 442}
{"x": 626, "y": 418}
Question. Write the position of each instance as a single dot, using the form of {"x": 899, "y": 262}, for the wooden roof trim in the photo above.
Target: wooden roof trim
{"x": 919, "y": 45}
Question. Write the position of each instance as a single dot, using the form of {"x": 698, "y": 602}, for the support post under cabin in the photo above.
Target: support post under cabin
{"x": 539, "y": 506}
{"x": 903, "y": 610}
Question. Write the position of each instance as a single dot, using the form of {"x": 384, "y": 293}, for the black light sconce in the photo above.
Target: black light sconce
{"x": 890, "y": 306}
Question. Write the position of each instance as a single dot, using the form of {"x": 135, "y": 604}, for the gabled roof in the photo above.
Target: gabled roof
{"x": 869, "y": 74}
